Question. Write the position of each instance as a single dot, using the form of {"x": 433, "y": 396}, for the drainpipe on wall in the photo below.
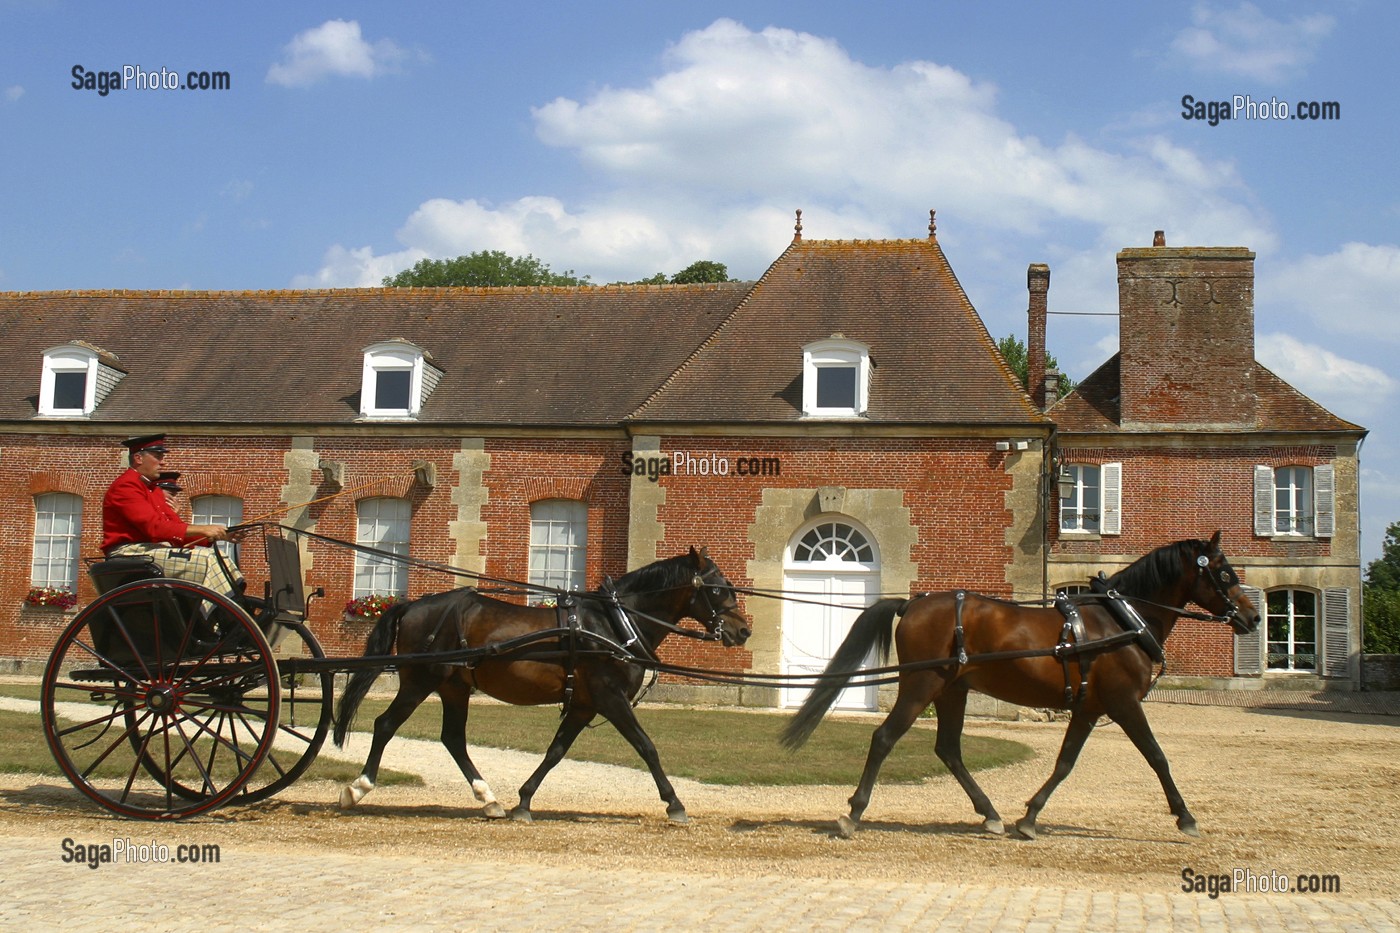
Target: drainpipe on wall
{"x": 1050, "y": 456}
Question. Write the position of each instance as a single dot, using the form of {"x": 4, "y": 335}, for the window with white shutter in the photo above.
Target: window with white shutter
{"x": 1336, "y": 638}
{"x": 1249, "y": 649}
{"x": 1112, "y": 476}
{"x": 1294, "y": 501}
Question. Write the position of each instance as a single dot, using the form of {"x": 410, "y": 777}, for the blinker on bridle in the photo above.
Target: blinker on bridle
{"x": 716, "y": 619}
{"x": 1220, "y": 584}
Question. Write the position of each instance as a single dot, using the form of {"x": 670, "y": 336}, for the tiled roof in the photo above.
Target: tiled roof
{"x": 933, "y": 360}
{"x": 1093, "y": 406}
{"x": 588, "y": 356}
{"x": 549, "y": 356}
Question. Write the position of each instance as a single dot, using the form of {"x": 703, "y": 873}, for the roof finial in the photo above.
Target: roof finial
{"x": 932, "y": 226}
{"x": 797, "y": 230}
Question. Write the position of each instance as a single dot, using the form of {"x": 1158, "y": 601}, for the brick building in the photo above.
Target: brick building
{"x": 842, "y": 427}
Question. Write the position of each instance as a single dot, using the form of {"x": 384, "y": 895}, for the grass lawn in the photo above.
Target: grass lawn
{"x": 714, "y": 746}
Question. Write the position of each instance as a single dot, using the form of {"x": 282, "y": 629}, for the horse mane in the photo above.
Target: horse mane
{"x": 1156, "y": 570}
{"x": 665, "y": 574}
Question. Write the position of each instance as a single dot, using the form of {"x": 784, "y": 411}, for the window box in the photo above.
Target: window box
{"x": 51, "y": 597}
{"x": 370, "y": 608}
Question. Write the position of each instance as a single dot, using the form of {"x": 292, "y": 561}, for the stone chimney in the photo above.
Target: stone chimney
{"x": 1186, "y": 337}
{"x": 1038, "y": 282}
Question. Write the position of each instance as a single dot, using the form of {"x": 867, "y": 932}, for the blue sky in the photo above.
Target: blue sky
{"x": 628, "y": 138}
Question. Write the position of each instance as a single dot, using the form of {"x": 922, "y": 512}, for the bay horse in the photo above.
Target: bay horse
{"x": 655, "y": 597}
{"x": 1158, "y": 586}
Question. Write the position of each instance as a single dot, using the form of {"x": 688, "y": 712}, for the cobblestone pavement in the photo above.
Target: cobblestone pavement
{"x": 315, "y": 891}
{"x": 309, "y": 888}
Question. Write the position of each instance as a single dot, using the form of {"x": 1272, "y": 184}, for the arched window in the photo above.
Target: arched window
{"x": 58, "y": 520}
{"x": 833, "y": 543}
{"x": 558, "y": 544}
{"x": 383, "y": 524}
{"x": 219, "y": 510}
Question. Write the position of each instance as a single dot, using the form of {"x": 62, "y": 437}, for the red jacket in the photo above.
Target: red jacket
{"x": 135, "y": 511}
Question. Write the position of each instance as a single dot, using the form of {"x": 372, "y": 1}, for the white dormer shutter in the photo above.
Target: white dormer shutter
{"x": 1111, "y": 510}
{"x": 1324, "y": 500}
{"x": 1264, "y": 501}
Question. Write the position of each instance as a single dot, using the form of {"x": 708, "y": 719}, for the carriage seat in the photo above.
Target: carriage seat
{"x": 108, "y": 573}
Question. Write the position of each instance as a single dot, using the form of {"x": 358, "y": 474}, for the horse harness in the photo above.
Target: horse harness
{"x": 1074, "y": 642}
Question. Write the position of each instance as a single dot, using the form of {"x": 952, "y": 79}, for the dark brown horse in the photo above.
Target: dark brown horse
{"x": 605, "y": 677}
{"x": 1159, "y": 585}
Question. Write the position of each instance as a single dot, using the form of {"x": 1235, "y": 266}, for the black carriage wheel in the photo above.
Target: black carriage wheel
{"x": 307, "y": 705}
{"x": 160, "y": 700}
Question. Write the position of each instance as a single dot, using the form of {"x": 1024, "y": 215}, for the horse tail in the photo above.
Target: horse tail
{"x": 872, "y": 628}
{"x": 379, "y": 643}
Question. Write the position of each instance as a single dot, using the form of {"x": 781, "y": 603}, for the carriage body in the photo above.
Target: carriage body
{"x": 163, "y": 699}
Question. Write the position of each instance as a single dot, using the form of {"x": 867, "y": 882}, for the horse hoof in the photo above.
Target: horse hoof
{"x": 521, "y": 816}
{"x": 994, "y": 826}
{"x": 1026, "y": 829}
{"x": 846, "y": 826}
{"x": 495, "y": 811}
{"x": 355, "y": 791}
{"x": 1189, "y": 827}
{"x": 677, "y": 816}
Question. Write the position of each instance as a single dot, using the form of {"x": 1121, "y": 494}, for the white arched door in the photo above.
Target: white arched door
{"x": 832, "y": 572}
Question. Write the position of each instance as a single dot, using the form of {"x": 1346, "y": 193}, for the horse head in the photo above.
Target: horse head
{"x": 1217, "y": 588}
{"x": 713, "y": 604}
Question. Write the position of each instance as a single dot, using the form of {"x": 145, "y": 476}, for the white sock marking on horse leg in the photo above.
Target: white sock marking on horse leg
{"x": 355, "y": 792}
{"x": 482, "y": 791}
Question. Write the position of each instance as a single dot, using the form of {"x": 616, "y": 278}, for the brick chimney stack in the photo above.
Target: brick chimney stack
{"x": 1186, "y": 337}
{"x": 1038, "y": 282}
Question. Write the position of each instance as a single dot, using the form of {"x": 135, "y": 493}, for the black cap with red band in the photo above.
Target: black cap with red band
{"x": 152, "y": 443}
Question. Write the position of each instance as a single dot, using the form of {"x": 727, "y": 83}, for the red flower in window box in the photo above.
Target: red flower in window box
{"x": 53, "y": 597}
{"x": 369, "y": 607}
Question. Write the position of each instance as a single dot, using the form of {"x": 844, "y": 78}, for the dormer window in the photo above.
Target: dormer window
{"x": 398, "y": 377}
{"x": 835, "y": 378}
{"x": 76, "y": 378}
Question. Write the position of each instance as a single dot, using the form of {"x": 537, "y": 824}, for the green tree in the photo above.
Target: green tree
{"x": 482, "y": 269}
{"x": 704, "y": 270}
{"x": 1015, "y": 354}
{"x": 1381, "y": 597}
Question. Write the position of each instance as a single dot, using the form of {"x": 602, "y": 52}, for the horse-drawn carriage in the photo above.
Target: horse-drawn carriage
{"x": 166, "y": 699}
{"x": 163, "y": 699}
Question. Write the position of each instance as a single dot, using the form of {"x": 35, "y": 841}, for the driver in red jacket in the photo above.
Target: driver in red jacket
{"x": 137, "y": 519}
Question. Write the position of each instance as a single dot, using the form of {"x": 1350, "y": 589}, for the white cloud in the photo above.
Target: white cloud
{"x": 355, "y": 268}
{"x": 1351, "y": 291}
{"x": 1346, "y": 387}
{"x": 780, "y": 114}
{"x": 606, "y": 241}
{"x": 14, "y": 92}
{"x": 1247, "y": 42}
{"x": 333, "y": 49}
{"x": 742, "y": 127}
